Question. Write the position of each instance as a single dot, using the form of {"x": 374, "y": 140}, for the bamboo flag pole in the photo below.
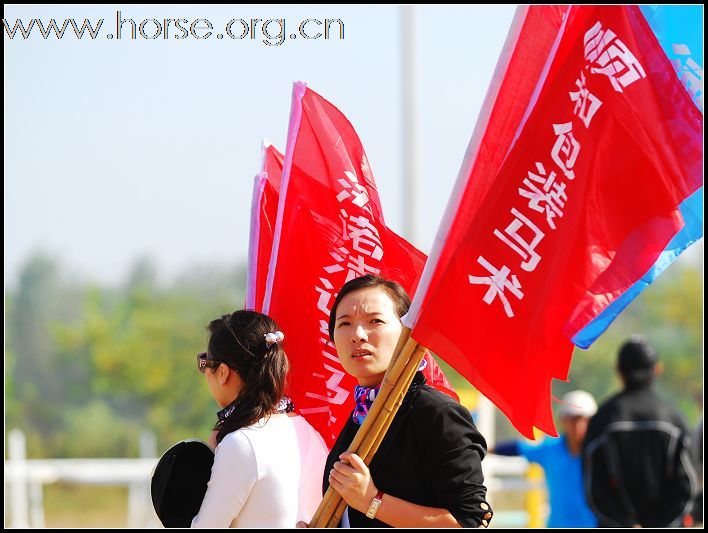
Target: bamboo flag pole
{"x": 373, "y": 439}
{"x": 397, "y": 380}
{"x": 327, "y": 506}
{"x": 390, "y": 386}
{"x": 410, "y": 372}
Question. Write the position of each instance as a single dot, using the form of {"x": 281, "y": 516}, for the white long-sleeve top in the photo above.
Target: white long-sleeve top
{"x": 266, "y": 475}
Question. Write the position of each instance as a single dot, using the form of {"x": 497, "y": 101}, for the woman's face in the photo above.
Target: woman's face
{"x": 366, "y": 332}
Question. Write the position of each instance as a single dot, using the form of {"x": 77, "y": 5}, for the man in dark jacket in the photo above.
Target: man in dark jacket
{"x": 637, "y": 467}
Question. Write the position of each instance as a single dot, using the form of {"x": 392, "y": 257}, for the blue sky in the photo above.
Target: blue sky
{"x": 120, "y": 149}
{"x": 116, "y": 149}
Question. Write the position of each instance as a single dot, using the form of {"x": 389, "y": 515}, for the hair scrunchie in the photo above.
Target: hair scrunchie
{"x": 273, "y": 337}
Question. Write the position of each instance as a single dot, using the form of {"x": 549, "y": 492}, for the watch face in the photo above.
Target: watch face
{"x": 373, "y": 508}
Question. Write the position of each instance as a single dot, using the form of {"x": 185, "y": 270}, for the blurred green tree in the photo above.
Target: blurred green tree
{"x": 140, "y": 347}
{"x": 42, "y": 299}
{"x": 87, "y": 387}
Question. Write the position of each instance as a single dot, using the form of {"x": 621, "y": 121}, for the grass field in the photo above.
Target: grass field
{"x": 70, "y": 505}
{"x": 83, "y": 506}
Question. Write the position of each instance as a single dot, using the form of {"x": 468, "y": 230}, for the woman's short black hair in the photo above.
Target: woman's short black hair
{"x": 398, "y": 295}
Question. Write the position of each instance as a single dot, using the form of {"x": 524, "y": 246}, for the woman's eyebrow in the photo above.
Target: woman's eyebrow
{"x": 370, "y": 313}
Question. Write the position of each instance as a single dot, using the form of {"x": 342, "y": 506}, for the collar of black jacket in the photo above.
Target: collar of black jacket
{"x": 416, "y": 384}
{"x": 402, "y": 414}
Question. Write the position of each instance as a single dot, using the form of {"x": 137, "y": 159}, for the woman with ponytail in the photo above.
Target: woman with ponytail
{"x": 268, "y": 462}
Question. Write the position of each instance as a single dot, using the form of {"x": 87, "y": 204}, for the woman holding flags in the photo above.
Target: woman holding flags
{"x": 427, "y": 471}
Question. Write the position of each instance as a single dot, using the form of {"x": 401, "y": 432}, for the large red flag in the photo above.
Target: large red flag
{"x": 330, "y": 229}
{"x": 578, "y": 209}
{"x": 264, "y": 211}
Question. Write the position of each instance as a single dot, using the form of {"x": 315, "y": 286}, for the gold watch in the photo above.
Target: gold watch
{"x": 374, "y": 505}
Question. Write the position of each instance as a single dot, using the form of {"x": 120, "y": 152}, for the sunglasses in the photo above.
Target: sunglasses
{"x": 203, "y": 363}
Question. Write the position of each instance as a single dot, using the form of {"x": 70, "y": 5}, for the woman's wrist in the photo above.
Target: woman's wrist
{"x": 365, "y": 502}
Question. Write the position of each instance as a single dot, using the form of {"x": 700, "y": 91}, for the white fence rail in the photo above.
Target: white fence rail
{"x": 27, "y": 477}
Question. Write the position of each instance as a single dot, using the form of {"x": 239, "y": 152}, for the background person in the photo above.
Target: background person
{"x": 561, "y": 460}
{"x": 637, "y": 468}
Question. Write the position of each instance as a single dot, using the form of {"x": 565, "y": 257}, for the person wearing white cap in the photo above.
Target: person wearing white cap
{"x": 562, "y": 462}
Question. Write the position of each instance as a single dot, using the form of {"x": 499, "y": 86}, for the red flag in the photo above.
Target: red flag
{"x": 330, "y": 229}
{"x": 581, "y": 205}
{"x": 264, "y": 210}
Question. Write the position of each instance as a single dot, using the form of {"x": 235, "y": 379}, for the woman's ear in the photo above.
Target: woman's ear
{"x": 223, "y": 373}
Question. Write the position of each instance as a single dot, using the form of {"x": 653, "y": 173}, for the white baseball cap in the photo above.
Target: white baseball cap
{"x": 578, "y": 403}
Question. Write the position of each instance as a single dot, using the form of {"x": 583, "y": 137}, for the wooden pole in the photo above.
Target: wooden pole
{"x": 327, "y": 505}
{"x": 373, "y": 439}
{"x": 411, "y": 370}
{"x": 402, "y": 368}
